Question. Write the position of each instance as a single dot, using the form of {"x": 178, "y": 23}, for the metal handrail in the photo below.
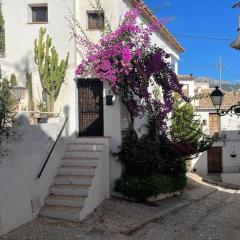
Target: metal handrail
{"x": 51, "y": 151}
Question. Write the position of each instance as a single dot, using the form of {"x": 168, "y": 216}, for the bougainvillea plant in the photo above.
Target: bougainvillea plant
{"x": 127, "y": 60}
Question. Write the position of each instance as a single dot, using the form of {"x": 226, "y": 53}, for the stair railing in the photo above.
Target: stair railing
{"x": 52, "y": 149}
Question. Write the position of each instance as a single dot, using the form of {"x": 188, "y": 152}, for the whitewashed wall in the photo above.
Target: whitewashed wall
{"x": 20, "y": 35}
{"x": 230, "y": 142}
{"x": 19, "y": 185}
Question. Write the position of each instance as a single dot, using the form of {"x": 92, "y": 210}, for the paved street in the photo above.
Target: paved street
{"x": 215, "y": 217}
{"x": 202, "y": 212}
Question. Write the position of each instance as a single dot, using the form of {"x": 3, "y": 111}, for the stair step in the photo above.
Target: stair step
{"x": 85, "y": 147}
{"x": 65, "y": 200}
{"x": 77, "y": 170}
{"x": 81, "y": 162}
{"x": 61, "y": 212}
{"x": 68, "y": 189}
{"x": 92, "y": 140}
{"x": 84, "y": 154}
{"x": 73, "y": 180}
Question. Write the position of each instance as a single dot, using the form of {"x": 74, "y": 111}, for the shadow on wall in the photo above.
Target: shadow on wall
{"x": 20, "y": 68}
{"x": 22, "y": 193}
{"x": 229, "y": 144}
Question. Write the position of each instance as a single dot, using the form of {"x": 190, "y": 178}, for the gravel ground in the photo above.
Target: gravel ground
{"x": 206, "y": 213}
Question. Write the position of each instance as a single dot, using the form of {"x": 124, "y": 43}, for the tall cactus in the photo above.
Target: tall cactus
{"x": 30, "y": 91}
{"x": 51, "y": 71}
{"x": 2, "y": 33}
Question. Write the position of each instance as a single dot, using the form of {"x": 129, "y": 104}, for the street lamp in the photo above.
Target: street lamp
{"x": 217, "y": 97}
{"x": 236, "y": 43}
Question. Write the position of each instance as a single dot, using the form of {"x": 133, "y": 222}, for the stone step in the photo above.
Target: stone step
{"x": 92, "y": 140}
{"x": 61, "y": 212}
{"x": 85, "y": 147}
{"x": 80, "y": 170}
{"x": 80, "y": 162}
{"x": 67, "y": 189}
{"x": 73, "y": 180}
{"x": 84, "y": 154}
{"x": 65, "y": 200}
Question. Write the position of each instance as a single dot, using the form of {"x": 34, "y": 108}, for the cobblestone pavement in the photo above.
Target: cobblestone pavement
{"x": 202, "y": 212}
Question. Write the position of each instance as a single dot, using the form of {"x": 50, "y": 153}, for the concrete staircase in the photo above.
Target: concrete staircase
{"x": 82, "y": 180}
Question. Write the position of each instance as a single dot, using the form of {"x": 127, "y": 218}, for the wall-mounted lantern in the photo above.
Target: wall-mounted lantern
{"x": 109, "y": 98}
{"x": 217, "y": 97}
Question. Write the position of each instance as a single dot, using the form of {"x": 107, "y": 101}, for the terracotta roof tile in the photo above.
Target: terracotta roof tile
{"x": 186, "y": 78}
{"x": 230, "y": 98}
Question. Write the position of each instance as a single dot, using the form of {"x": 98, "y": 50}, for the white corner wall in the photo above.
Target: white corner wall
{"x": 18, "y": 173}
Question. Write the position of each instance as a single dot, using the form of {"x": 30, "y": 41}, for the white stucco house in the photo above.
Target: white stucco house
{"x": 80, "y": 171}
{"x": 224, "y": 157}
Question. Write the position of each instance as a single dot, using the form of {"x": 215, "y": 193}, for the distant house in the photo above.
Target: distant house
{"x": 224, "y": 156}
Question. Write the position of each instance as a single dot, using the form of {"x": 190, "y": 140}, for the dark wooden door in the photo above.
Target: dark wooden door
{"x": 90, "y": 107}
{"x": 215, "y": 160}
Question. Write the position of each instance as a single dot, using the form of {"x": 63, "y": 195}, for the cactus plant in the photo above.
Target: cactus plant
{"x": 2, "y": 33}
{"x": 51, "y": 71}
{"x": 30, "y": 91}
{"x": 13, "y": 80}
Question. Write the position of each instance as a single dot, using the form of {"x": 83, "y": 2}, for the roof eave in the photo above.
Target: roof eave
{"x": 151, "y": 18}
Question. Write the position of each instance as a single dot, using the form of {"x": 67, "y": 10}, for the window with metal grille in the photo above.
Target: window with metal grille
{"x": 95, "y": 20}
{"x": 39, "y": 13}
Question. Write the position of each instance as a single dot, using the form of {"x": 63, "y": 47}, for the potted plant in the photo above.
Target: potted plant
{"x": 42, "y": 116}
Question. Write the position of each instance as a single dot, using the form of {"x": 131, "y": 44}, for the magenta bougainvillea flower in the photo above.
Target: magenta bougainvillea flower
{"x": 126, "y": 59}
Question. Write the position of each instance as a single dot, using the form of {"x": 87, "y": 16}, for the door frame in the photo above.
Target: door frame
{"x": 221, "y": 162}
{"x": 78, "y": 108}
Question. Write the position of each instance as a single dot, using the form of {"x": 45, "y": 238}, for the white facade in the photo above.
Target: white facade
{"x": 20, "y": 34}
{"x": 228, "y": 136}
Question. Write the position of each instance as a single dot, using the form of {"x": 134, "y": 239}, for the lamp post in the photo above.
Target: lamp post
{"x": 217, "y": 97}
{"x": 236, "y": 44}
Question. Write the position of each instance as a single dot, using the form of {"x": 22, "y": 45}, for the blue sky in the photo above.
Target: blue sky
{"x": 210, "y": 18}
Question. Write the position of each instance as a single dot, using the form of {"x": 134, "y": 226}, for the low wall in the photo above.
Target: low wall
{"x": 22, "y": 194}
{"x": 231, "y": 178}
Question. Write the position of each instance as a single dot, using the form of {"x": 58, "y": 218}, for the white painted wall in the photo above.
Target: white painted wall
{"x": 18, "y": 173}
{"x": 231, "y": 178}
{"x": 190, "y": 85}
{"x": 20, "y": 37}
{"x": 230, "y": 142}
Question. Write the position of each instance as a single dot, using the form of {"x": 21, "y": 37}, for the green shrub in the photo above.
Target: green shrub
{"x": 150, "y": 167}
{"x": 140, "y": 189}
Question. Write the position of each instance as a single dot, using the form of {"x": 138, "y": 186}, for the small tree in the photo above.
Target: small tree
{"x": 51, "y": 71}
{"x": 7, "y": 104}
{"x": 186, "y": 128}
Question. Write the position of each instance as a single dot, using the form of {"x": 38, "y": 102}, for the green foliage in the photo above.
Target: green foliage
{"x": 183, "y": 122}
{"x": 149, "y": 167}
{"x": 30, "y": 91}
{"x": 51, "y": 71}
{"x": 42, "y": 107}
{"x": 2, "y": 33}
{"x": 140, "y": 189}
{"x": 185, "y": 126}
{"x": 7, "y": 104}
{"x": 13, "y": 80}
